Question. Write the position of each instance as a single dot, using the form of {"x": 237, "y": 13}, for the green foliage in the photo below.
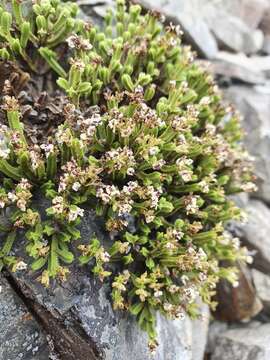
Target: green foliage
{"x": 145, "y": 141}
{"x": 27, "y": 35}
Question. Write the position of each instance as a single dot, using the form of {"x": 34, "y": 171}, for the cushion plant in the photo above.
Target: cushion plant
{"x": 139, "y": 134}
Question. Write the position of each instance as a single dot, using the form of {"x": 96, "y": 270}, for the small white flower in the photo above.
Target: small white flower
{"x": 180, "y": 315}
{"x": 48, "y": 149}
{"x": 204, "y": 186}
{"x": 76, "y": 186}
{"x": 173, "y": 289}
{"x": 158, "y": 164}
{"x": 21, "y": 204}
{"x": 236, "y": 243}
{"x": 191, "y": 205}
{"x": 130, "y": 171}
{"x": 184, "y": 279}
{"x": 172, "y": 83}
{"x": 21, "y": 265}
{"x": 4, "y": 153}
{"x": 167, "y": 306}
{"x": 201, "y": 253}
{"x": 75, "y": 213}
{"x": 153, "y": 150}
{"x": 105, "y": 256}
{"x": 186, "y": 175}
{"x": 249, "y": 187}
{"x": 202, "y": 276}
{"x": 206, "y": 100}
{"x": 160, "y": 122}
{"x": 158, "y": 294}
{"x": 170, "y": 246}
{"x": 75, "y": 41}
{"x": 249, "y": 259}
{"x": 12, "y": 197}
{"x": 139, "y": 89}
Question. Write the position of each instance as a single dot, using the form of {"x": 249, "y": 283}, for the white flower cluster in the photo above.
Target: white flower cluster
{"x": 63, "y": 135}
{"x": 48, "y": 149}
{"x": 184, "y": 168}
{"x": 74, "y": 213}
{"x": 79, "y": 43}
{"x": 70, "y": 176}
{"x": 154, "y": 195}
{"x": 191, "y": 204}
{"x": 60, "y": 207}
{"x": 88, "y": 127}
{"x": 21, "y": 195}
{"x": 121, "y": 200}
{"x": 107, "y": 193}
{"x": 120, "y": 159}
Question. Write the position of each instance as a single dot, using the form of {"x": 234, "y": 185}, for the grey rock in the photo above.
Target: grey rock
{"x": 239, "y": 303}
{"x": 233, "y": 34}
{"x": 266, "y": 44}
{"x": 79, "y": 317}
{"x": 216, "y": 328}
{"x": 198, "y": 34}
{"x": 243, "y": 344}
{"x": 261, "y": 63}
{"x": 238, "y": 67}
{"x": 232, "y": 24}
{"x": 21, "y": 337}
{"x": 188, "y": 14}
{"x": 96, "y": 8}
{"x": 252, "y": 11}
{"x": 252, "y": 70}
{"x": 254, "y": 104}
{"x": 262, "y": 285}
{"x": 173, "y": 7}
{"x": 255, "y": 233}
{"x": 199, "y": 334}
{"x": 265, "y": 22}
{"x": 241, "y": 199}
{"x": 117, "y": 335}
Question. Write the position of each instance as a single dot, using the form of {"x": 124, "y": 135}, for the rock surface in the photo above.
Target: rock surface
{"x": 243, "y": 344}
{"x": 266, "y": 45}
{"x": 96, "y": 8}
{"x": 199, "y": 334}
{"x": 256, "y": 234}
{"x": 21, "y": 337}
{"x": 216, "y": 328}
{"x": 254, "y": 104}
{"x": 79, "y": 317}
{"x": 237, "y": 303}
{"x": 252, "y": 12}
{"x": 233, "y": 25}
{"x": 262, "y": 285}
{"x": 188, "y": 15}
{"x": 265, "y": 21}
{"x": 239, "y": 67}
{"x": 233, "y": 34}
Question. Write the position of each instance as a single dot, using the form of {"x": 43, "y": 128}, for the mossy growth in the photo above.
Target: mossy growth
{"x": 144, "y": 140}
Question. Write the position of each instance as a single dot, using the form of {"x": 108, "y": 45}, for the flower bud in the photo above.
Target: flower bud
{"x": 150, "y": 92}
{"x": 25, "y": 34}
{"x": 6, "y": 21}
{"x": 127, "y": 82}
